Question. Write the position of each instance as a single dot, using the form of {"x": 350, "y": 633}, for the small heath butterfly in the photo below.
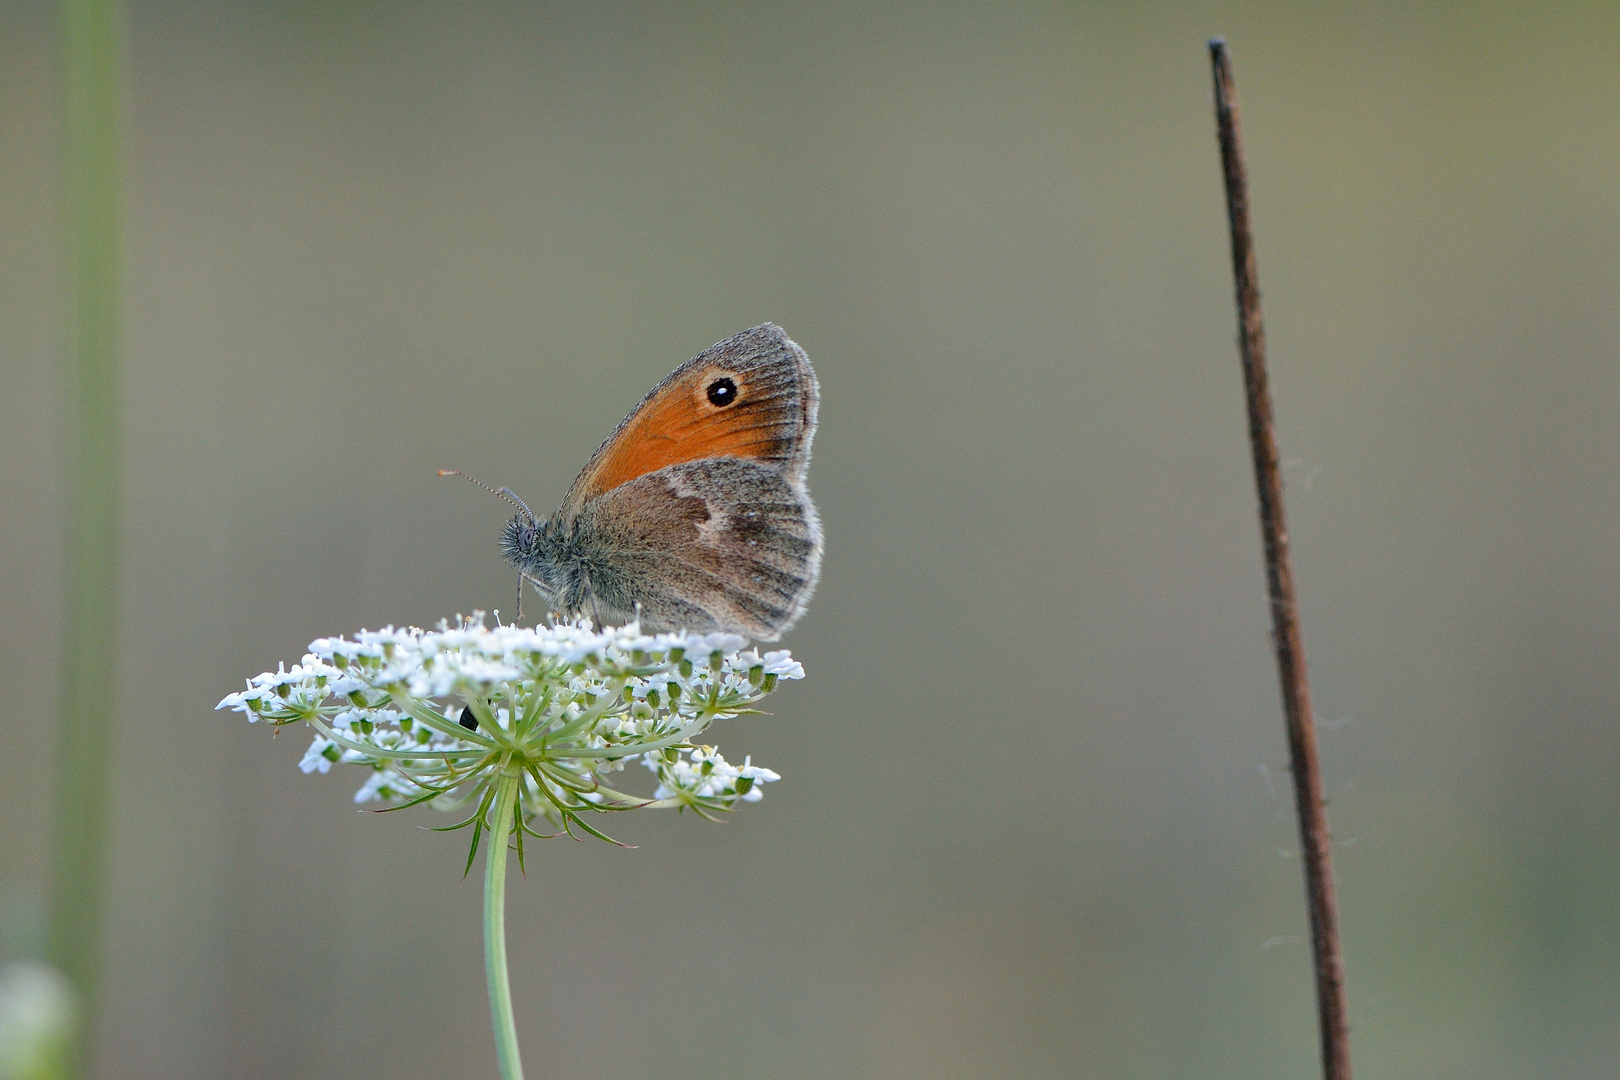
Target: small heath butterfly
{"x": 694, "y": 513}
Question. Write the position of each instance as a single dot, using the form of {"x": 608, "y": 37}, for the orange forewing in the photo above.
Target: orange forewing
{"x": 769, "y": 420}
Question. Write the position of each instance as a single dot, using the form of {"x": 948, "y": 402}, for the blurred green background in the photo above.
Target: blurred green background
{"x": 1035, "y": 819}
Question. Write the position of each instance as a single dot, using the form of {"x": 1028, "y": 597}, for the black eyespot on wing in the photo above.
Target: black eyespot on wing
{"x": 722, "y": 392}
{"x": 467, "y": 721}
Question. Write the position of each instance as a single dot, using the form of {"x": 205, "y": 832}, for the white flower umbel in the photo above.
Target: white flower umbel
{"x": 524, "y": 726}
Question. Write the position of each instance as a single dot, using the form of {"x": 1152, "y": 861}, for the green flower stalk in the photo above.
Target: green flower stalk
{"x": 524, "y": 731}
{"x": 92, "y": 127}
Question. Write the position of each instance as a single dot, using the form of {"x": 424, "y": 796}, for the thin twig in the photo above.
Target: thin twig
{"x": 1296, "y": 695}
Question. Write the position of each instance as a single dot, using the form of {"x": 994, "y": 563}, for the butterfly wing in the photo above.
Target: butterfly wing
{"x": 724, "y": 543}
{"x": 752, "y": 396}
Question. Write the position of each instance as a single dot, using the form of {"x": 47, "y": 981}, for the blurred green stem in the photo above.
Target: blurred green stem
{"x": 91, "y": 80}
{"x": 500, "y": 990}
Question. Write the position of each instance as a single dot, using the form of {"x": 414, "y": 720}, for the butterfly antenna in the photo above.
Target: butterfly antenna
{"x": 504, "y": 493}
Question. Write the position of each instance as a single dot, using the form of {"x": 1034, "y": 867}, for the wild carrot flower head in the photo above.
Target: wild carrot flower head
{"x": 444, "y": 716}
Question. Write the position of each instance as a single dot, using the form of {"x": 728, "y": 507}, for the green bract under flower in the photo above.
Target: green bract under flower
{"x": 444, "y": 716}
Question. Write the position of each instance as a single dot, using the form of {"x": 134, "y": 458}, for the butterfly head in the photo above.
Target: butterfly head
{"x": 526, "y": 543}
{"x": 539, "y": 552}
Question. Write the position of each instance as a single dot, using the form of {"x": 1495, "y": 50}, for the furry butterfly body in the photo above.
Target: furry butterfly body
{"x": 694, "y": 513}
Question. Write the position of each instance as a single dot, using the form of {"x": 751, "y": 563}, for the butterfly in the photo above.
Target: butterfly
{"x": 694, "y": 514}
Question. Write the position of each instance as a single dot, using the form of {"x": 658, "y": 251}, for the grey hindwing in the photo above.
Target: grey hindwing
{"x": 717, "y": 544}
